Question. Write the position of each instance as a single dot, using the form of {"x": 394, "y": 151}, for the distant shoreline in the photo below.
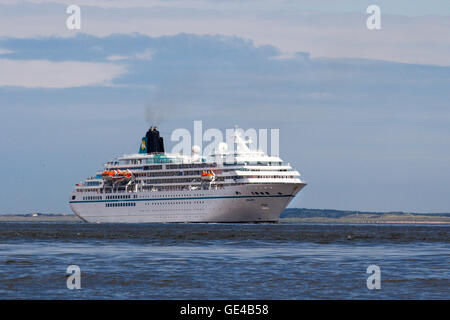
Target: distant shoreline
{"x": 39, "y": 218}
{"x": 362, "y": 221}
{"x": 296, "y": 215}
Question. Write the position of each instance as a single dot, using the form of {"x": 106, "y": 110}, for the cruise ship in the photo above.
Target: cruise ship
{"x": 242, "y": 185}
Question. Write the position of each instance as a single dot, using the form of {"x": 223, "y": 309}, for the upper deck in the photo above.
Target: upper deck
{"x": 159, "y": 171}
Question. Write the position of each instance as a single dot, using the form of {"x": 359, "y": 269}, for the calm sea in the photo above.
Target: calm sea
{"x": 223, "y": 261}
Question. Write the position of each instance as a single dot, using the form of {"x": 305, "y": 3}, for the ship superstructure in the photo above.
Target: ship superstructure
{"x": 153, "y": 186}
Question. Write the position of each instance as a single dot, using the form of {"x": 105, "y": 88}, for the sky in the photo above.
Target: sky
{"x": 364, "y": 115}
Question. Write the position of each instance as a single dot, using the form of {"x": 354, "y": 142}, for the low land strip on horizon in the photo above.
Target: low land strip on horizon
{"x": 290, "y": 215}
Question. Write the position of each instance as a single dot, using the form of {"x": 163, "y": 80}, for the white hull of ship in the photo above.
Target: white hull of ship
{"x": 230, "y": 204}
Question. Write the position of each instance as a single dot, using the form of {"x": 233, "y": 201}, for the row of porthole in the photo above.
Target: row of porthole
{"x": 121, "y": 204}
{"x": 91, "y": 198}
{"x": 173, "y": 195}
{"x": 119, "y": 197}
{"x": 175, "y": 202}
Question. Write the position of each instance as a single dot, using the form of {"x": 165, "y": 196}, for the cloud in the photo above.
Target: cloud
{"x": 116, "y": 58}
{"x": 324, "y": 30}
{"x": 48, "y": 74}
{"x": 5, "y": 51}
{"x": 403, "y": 7}
{"x": 146, "y": 55}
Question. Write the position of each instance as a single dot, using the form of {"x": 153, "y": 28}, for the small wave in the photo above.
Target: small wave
{"x": 185, "y": 233}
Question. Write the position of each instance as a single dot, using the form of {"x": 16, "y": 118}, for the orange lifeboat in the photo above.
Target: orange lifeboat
{"x": 208, "y": 175}
{"x": 108, "y": 175}
{"x": 122, "y": 176}
{"x": 116, "y": 176}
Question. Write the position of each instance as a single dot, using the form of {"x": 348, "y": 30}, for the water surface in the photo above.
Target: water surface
{"x": 223, "y": 261}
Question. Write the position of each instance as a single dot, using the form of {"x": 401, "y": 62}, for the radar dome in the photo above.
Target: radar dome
{"x": 195, "y": 149}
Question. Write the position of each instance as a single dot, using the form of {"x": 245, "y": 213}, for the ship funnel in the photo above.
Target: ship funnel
{"x": 155, "y": 143}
